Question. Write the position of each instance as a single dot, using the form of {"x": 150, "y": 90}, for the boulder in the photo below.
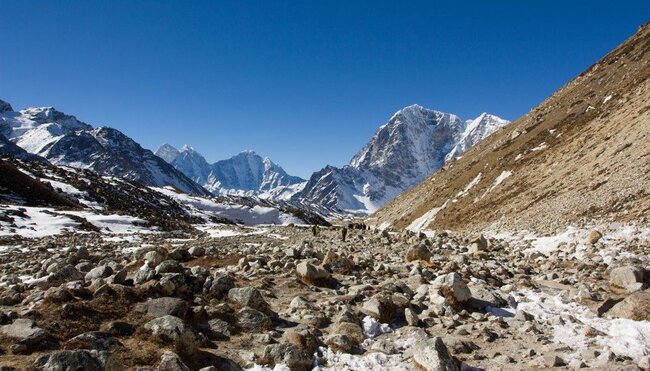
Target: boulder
{"x": 154, "y": 258}
{"x": 432, "y": 355}
{"x": 248, "y": 297}
{"x": 103, "y": 271}
{"x": 313, "y": 275}
{"x": 594, "y": 236}
{"x": 221, "y": 285}
{"x": 196, "y": 251}
{"x": 29, "y": 338}
{"x": 635, "y": 307}
{"x": 166, "y": 306}
{"x": 93, "y": 340}
{"x": 452, "y": 284}
{"x": 253, "y": 320}
{"x": 79, "y": 359}
{"x": 478, "y": 244}
{"x": 380, "y": 307}
{"x": 170, "y": 361}
{"x": 626, "y": 280}
{"x": 172, "y": 330}
{"x": 418, "y": 252}
{"x": 288, "y": 354}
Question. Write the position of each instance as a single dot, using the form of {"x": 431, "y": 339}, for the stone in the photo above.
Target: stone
{"x": 93, "y": 340}
{"x": 221, "y": 285}
{"x": 341, "y": 343}
{"x": 154, "y": 258}
{"x": 431, "y": 354}
{"x": 338, "y": 263}
{"x": 453, "y": 285}
{"x": 10, "y": 297}
{"x": 417, "y": 252}
{"x": 253, "y": 320}
{"x": 118, "y": 328}
{"x": 635, "y": 307}
{"x": 103, "y": 271}
{"x": 144, "y": 274}
{"x": 288, "y": 354}
{"x": 626, "y": 280}
{"x": 351, "y": 330}
{"x": 29, "y": 337}
{"x": 72, "y": 360}
{"x": 166, "y": 306}
{"x": 79, "y": 359}
{"x": 379, "y": 307}
{"x": 594, "y": 236}
{"x": 248, "y": 297}
{"x": 172, "y": 330}
{"x": 411, "y": 317}
{"x": 170, "y": 361}
{"x": 169, "y": 266}
{"x": 220, "y": 328}
{"x": 196, "y": 251}
{"x": 312, "y": 275}
{"x": 61, "y": 275}
{"x": 478, "y": 244}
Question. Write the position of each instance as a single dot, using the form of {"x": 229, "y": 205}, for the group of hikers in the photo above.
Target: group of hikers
{"x": 315, "y": 229}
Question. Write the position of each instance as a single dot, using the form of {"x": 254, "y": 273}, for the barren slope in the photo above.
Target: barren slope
{"x": 583, "y": 154}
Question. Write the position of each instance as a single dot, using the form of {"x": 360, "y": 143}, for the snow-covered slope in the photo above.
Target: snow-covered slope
{"x": 244, "y": 174}
{"x": 413, "y": 144}
{"x": 64, "y": 140}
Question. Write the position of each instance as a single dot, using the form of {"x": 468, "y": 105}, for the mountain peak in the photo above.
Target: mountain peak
{"x": 5, "y": 106}
{"x": 167, "y": 152}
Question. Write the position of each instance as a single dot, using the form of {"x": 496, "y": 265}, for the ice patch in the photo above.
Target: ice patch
{"x": 622, "y": 336}
{"x": 542, "y": 146}
{"x": 373, "y": 328}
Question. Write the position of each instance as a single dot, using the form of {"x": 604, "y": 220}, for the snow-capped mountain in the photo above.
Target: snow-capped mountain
{"x": 413, "y": 144}
{"x": 244, "y": 174}
{"x": 64, "y": 140}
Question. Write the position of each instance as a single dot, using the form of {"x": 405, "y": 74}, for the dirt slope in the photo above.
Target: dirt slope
{"x": 582, "y": 155}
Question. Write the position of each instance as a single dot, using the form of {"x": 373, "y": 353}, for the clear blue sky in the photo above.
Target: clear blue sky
{"x": 304, "y": 82}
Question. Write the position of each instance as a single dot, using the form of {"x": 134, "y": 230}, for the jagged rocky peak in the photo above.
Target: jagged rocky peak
{"x": 414, "y": 143}
{"x": 167, "y": 152}
{"x": 5, "y": 106}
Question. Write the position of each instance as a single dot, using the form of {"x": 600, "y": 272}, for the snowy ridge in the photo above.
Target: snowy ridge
{"x": 413, "y": 144}
{"x": 63, "y": 139}
{"x": 246, "y": 173}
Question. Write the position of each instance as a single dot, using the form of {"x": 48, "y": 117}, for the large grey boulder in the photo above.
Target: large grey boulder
{"x": 432, "y": 355}
{"x": 253, "y": 320}
{"x": 78, "y": 360}
{"x": 626, "y": 280}
{"x": 166, "y": 306}
{"x": 172, "y": 330}
{"x": 29, "y": 337}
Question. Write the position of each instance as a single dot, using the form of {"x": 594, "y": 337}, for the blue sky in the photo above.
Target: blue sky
{"x": 304, "y": 82}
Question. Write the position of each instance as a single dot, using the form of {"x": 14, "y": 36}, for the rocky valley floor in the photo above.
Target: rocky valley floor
{"x": 279, "y": 298}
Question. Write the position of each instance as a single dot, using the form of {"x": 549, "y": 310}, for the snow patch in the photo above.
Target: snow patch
{"x": 622, "y": 336}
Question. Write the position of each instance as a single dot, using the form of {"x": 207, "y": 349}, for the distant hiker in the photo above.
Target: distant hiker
{"x": 344, "y": 233}
{"x": 317, "y": 230}
{"x": 313, "y": 230}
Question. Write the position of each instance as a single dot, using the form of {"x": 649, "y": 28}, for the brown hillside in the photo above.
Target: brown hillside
{"x": 582, "y": 155}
